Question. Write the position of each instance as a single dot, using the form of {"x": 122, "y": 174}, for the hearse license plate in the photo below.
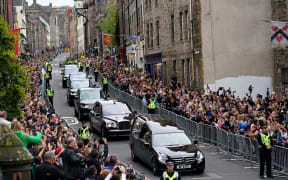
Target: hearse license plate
{"x": 184, "y": 166}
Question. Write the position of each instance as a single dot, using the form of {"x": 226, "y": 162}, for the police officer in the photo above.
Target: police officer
{"x": 105, "y": 85}
{"x": 87, "y": 65}
{"x": 47, "y": 79}
{"x": 84, "y": 132}
{"x": 170, "y": 174}
{"x": 265, "y": 150}
{"x": 69, "y": 61}
{"x": 127, "y": 69}
{"x": 96, "y": 71}
{"x": 80, "y": 66}
{"x": 151, "y": 106}
{"x": 49, "y": 70}
{"x": 50, "y": 94}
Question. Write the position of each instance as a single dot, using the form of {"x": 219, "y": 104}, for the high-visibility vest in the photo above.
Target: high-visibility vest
{"x": 69, "y": 62}
{"x": 96, "y": 69}
{"x": 105, "y": 80}
{"x": 50, "y": 92}
{"x": 79, "y": 64}
{"x": 151, "y": 104}
{"x": 75, "y": 61}
{"x": 84, "y": 133}
{"x": 265, "y": 140}
{"x": 167, "y": 177}
{"x": 46, "y": 76}
{"x": 127, "y": 69}
{"x": 87, "y": 64}
{"x": 49, "y": 68}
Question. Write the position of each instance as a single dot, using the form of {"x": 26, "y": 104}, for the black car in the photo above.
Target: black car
{"x": 68, "y": 69}
{"x": 154, "y": 139}
{"x": 109, "y": 118}
{"x": 85, "y": 99}
{"x": 73, "y": 86}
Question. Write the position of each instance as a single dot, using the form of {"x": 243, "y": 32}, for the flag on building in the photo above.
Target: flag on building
{"x": 134, "y": 37}
{"x": 279, "y": 34}
{"x": 107, "y": 38}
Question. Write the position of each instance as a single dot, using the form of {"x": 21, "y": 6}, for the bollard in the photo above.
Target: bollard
{"x": 15, "y": 159}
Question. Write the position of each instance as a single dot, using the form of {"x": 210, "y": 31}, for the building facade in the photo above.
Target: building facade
{"x": 236, "y": 47}
{"x": 168, "y": 50}
{"x": 131, "y": 21}
{"x": 47, "y": 28}
{"x": 280, "y": 54}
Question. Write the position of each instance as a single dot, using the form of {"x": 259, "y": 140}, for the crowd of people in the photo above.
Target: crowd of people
{"x": 58, "y": 151}
{"x": 221, "y": 108}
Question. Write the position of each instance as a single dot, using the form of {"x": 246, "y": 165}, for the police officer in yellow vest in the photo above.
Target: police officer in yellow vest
{"x": 127, "y": 69}
{"x": 170, "y": 174}
{"x": 80, "y": 66}
{"x": 151, "y": 106}
{"x": 84, "y": 132}
{"x": 47, "y": 79}
{"x": 265, "y": 150}
{"x": 105, "y": 85}
{"x": 75, "y": 61}
{"x": 49, "y": 70}
{"x": 87, "y": 65}
{"x": 96, "y": 71}
{"x": 50, "y": 94}
{"x": 69, "y": 62}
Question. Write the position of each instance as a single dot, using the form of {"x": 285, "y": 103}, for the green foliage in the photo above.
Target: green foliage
{"x": 110, "y": 23}
{"x": 13, "y": 78}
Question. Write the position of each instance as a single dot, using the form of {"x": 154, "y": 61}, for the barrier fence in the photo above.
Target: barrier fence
{"x": 239, "y": 146}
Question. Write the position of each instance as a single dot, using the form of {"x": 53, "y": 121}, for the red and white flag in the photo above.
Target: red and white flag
{"x": 279, "y": 34}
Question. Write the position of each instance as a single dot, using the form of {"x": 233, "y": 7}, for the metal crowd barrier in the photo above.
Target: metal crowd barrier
{"x": 236, "y": 145}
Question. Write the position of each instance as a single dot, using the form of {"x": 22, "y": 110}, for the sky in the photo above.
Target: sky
{"x": 54, "y": 2}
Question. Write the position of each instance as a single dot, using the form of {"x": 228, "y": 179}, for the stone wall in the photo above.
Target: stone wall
{"x": 280, "y": 55}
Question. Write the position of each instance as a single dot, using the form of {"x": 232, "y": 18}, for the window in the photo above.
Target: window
{"x": 147, "y": 36}
{"x": 157, "y": 33}
{"x": 183, "y": 71}
{"x": 137, "y": 126}
{"x": 156, "y": 3}
{"x": 186, "y": 25}
{"x": 181, "y": 25}
{"x": 188, "y": 72}
{"x": 151, "y": 34}
{"x": 174, "y": 65}
{"x": 172, "y": 29}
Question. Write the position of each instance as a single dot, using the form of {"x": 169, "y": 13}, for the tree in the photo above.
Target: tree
{"x": 13, "y": 76}
{"x": 110, "y": 23}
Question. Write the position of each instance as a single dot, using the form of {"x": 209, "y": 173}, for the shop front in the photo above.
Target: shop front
{"x": 153, "y": 65}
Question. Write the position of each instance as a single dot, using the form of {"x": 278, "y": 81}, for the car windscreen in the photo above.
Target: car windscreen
{"x": 69, "y": 71}
{"x": 78, "y": 76}
{"x": 79, "y": 84}
{"x": 171, "y": 139}
{"x": 85, "y": 95}
{"x": 115, "y": 109}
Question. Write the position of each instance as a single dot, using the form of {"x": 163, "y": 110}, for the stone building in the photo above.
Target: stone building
{"x": 95, "y": 13}
{"x": 168, "y": 48}
{"x": 280, "y": 55}
{"x": 47, "y": 27}
{"x": 7, "y": 12}
{"x": 131, "y": 21}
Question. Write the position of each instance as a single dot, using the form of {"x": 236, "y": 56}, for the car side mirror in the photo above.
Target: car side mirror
{"x": 195, "y": 142}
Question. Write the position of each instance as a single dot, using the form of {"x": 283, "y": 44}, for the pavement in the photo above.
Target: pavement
{"x": 218, "y": 164}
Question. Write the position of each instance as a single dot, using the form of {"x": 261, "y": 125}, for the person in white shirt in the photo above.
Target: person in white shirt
{"x": 3, "y": 117}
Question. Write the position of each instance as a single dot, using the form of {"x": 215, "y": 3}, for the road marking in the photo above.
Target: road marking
{"x": 231, "y": 159}
{"x": 210, "y": 176}
{"x": 70, "y": 120}
{"x": 251, "y": 167}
